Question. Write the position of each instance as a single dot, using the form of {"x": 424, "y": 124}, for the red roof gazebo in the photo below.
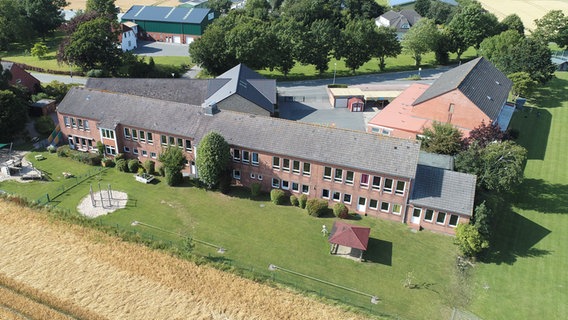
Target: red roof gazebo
{"x": 349, "y": 240}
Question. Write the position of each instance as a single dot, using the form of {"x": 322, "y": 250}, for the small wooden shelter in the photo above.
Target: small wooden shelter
{"x": 348, "y": 240}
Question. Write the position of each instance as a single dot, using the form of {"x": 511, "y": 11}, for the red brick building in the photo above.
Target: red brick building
{"x": 371, "y": 174}
{"x": 21, "y": 77}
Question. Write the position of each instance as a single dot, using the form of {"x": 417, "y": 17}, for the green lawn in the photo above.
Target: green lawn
{"x": 257, "y": 233}
{"x": 525, "y": 275}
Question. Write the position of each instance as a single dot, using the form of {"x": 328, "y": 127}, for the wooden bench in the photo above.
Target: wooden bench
{"x": 39, "y": 157}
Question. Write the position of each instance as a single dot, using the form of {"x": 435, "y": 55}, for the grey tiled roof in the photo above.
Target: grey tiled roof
{"x": 482, "y": 83}
{"x": 192, "y": 91}
{"x": 444, "y": 190}
{"x": 352, "y": 149}
{"x": 246, "y": 83}
{"x": 166, "y": 14}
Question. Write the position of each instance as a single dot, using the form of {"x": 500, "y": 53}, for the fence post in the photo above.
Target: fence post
{"x": 47, "y": 196}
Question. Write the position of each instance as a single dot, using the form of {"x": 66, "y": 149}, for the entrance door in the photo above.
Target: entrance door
{"x": 362, "y": 204}
{"x": 71, "y": 143}
{"x": 416, "y": 215}
{"x": 193, "y": 170}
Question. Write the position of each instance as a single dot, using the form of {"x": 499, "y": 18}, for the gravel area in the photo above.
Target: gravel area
{"x": 107, "y": 205}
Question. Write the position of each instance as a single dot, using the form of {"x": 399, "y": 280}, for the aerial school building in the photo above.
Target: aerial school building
{"x": 371, "y": 174}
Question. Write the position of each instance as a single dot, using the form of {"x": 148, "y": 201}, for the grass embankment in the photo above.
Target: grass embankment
{"x": 524, "y": 276}
{"x": 257, "y": 233}
{"x": 110, "y": 278}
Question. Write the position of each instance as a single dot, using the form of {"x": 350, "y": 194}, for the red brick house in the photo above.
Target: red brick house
{"x": 371, "y": 174}
{"x": 21, "y": 77}
{"x": 465, "y": 96}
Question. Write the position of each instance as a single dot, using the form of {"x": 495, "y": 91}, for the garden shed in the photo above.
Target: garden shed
{"x": 348, "y": 240}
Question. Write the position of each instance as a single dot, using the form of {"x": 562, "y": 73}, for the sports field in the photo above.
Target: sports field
{"x": 528, "y": 10}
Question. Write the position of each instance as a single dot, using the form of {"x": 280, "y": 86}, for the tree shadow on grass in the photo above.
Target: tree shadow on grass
{"x": 535, "y": 124}
{"x": 379, "y": 251}
{"x": 543, "y": 197}
{"x": 552, "y": 95}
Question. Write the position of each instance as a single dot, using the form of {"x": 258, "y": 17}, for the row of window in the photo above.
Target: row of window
{"x": 173, "y": 141}
{"x": 135, "y": 151}
{"x": 348, "y": 177}
{"x": 76, "y": 123}
{"x": 381, "y": 130}
{"x": 81, "y": 143}
{"x": 362, "y": 201}
{"x": 107, "y": 133}
{"x": 286, "y": 165}
{"x": 138, "y": 135}
{"x": 441, "y": 217}
{"x": 237, "y": 175}
{"x": 292, "y": 186}
{"x": 245, "y": 156}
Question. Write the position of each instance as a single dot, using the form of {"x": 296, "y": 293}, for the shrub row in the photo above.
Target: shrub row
{"x": 92, "y": 159}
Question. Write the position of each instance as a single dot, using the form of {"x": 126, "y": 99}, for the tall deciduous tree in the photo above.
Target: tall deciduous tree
{"x": 484, "y": 134}
{"x": 213, "y": 155}
{"x": 523, "y": 84}
{"x": 221, "y": 6}
{"x": 13, "y": 25}
{"x": 513, "y": 22}
{"x": 210, "y": 51}
{"x": 422, "y": 7}
{"x": 258, "y": 9}
{"x": 356, "y": 42}
{"x": 172, "y": 160}
{"x": 470, "y": 26}
{"x": 13, "y": 115}
{"x": 363, "y": 9}
{"x": 249, "y": 37}
{"x": 442, "y": 138}
{"x": 420, "y": 39}
{"x": 103, "y": 7}
{"x": 552, "y": 27}
{"x": 317, "y": 44}
{"x": 441, "y": 12}
{"x": 387, "y": 45}
{"x": 286, "y": 32}
{"x": 44, "y": 16}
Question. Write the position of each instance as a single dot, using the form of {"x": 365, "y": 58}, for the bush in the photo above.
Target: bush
{"x": 133, "y": 165}
{"x": 95, "y": 73}
{"x": 141, "y": 171}
{"x": 173, "y": 177}
{"x": 121, "y": 165}
{"x": 51, "y": 148}
{"x": 277, "y": 196}
{"x": 107, "y": 162}
{"x": 302, "y": 201}
{"x": 255, "y": 189}
{"x": 44, "y": 125}
{"x": 101, "y": 148}
{"x": 63, "y": 151}
{"x": 338, "y": 85}
{"x": 161, "y": 171}
{"x": 317, "y": 207}
{"x": 149, "y": 166}
{"x": 119, "y": 156}
{"x": 340, "y": 210}
{"x": 294, "y": 200}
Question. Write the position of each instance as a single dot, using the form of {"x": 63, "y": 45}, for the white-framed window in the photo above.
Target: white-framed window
{"x": 364, "y": 180}
{"x": 80, "y": 123}
{"x": 127, "y": 133}
{"x": 327, "y": 173}
{"x": 236, "y": 155}
{"x": 149, "y": 137}
{"x": 338, "y": 177}
{"x": 388, "y": 185}
{"x": 347, "y": 198}
{"x": 188, "y": 145}
{"x": 307, "y": 169}
{"x": 296, "y": 166}
{"x": 400, "y": 187}
{"x": 373, "y": 204}
{"x": 164, "y": 140}
{"x": 110, "y": 150}
{"x": 135, "y": 150}
{"x": 396, "y": 209}
{"x": 73, "y": 123}
{"x": 285, "y": 185}
{"x": 336, "y": 196}
{"x": 286, "y": 165}
{"x": 259, "y": 177}
{"x": 171, "y": 141}
{"x": 325, "y": 193}
{"x": 305, "y": 189}
{"x": 66, "y": 121}
{"x": 275, "y": 162}
{"x": 275, "y": 183}
{"x": 153, "y": 155}
{"x": 180, "y": 143}
{"x": 349, "y": 177}
{"x": 429, "y": 215}
{"x": 142, "y": 136}
{"x": 144, "y": 153}
{"x": 134, "y": 134}
{"x": 246, "y": 156}
{"x": 453, "y": 220}
{"x": 237, "y": 174}
{"x": 86, "y": 124}
{"x": 254, "y": 159}
{"x": 376, "y": 183}
{"x": 295, "y": 187}
{"x": 385, "y": 206}
{"x": 252, "y": 175}
{"x": 126, "y": 149}
{"x": 441, "y": 218}
{"x": 109, "y": 134}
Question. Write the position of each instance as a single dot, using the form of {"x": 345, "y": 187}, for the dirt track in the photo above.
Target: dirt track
{"x": 120, "y": 280}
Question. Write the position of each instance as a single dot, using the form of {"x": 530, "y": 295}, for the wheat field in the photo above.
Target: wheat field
{"x": 96, "y": 274}
{"x": 124, "y": 5}
{"x": 527, "y": 10}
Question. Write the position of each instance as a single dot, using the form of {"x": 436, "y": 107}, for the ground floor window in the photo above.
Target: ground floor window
{"x": 347, "y": 198}
{"x": 153, "y": 155}
{"x": 285, "y": 185}
{"x": 127, "y": 149}
{"x": 237, "y": 174}
{"x": 259, "y": 177}
{"x": 429, "y": 215}
{"x": 336, "y": 196}
{"x": 373, "y": 204}
{"x": 454, "y": 220}
{"x": 252, "y": 175}
{"x": 325, "y": 193}
{"x": 441, "y": 219}
{"x": 385, "y": 206}
{"x": 275, "y": 183}
{"x": 295, "y": 187}
{"x": 110, "y": 150}
{"x": 144, "y": 153}
{"x": 396, "y": 208}
{"x": 305, "y": 189}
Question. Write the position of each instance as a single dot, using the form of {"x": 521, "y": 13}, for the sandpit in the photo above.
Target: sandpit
{"x": 102, "y": 202}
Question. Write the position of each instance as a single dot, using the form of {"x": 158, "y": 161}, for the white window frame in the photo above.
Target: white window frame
{"x": 236, "y": 174}
{"x": 385, "y": 188}
{"x": 149, "y": 137}
{"x": 457, "y": 220}
{"x": 188, "y": 144}
{"x": 86, "y": 124}
{"x": 237, "y": 155}
{"x": 347, "y": 181}
{"x": 347, "y": 195}
{"x": 164, "y": 139}
{"x": 134, "y": 134}
{"x": 296, "y": 170}
{"x": 245, "y": 159}
{"x": 426, "y": 214}
{"x": 333, "y": 194}
{"x": 66, "y": 121}
{"x": 285, "y": 167}
{"x": 295, "y": 187}
{"x": 127, "y": 133}
{"x": 253, "y": 161}
{"x": 397, "y": 191}
{"x": 135, "y": 150}
{"x": 335, "y": 178}
{"x": 438, "y": 216}
{"x": 323, "y": 191}
{"x": 153, "y": 155}
{"x": 285, "y": 184}
{"x": 259, "y": 177}
{"x": 399, "y": 206}
{"x": 364, "y": 184}
{"x": 275, "y": 183}
{"x": 376, "y": 207}
{"x": 388, "y": 206}
{"x": 327, "y": 178}
{"x": 274, "y": 160}
{"x": 308, "y": 172}
{"x": 375, "y": 186}
{"x": 144, "y": 153}
{"x": 142, "y": 135}
{"x": 126, "y": 149}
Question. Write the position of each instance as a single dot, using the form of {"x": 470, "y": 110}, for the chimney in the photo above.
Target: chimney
{"x": 210, "y": 108}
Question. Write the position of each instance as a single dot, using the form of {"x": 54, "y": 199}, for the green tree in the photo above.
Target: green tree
{"x": 172, "y": 160}
{"x": 286, "y": 32}
{"x": 249, "y": 37}
{"x": 523, "y": 84}
{"x": 258, "y": 9}
{"x": 93, "y": 46}
{"x": 13, "y": 115}
{"x": 363, "y": 9}
{"x": 5, "y": 77}
{"x": 213, "y": 155}
{"x": 102, "y": 7}
{"x": 469, "y": 241}
{"x": 13, "y": 24}
{"x": 57, "y": 90}
{"x": 497, "y": 49}
{"x": 442, "y": 138}
{"x": 422, "y": 7}
{"x": 441, "y": 12}
{"x": 499, "y": 166}
{"x": 44, "y": 16}
{"x": 221, "y": 6}
{"x": 387, "y": 45}
{"x": 552, "y": 27}
{"x": 470, "y": 26}
{"x": 482, "y": 218}
{"x": 309, "y": 11}
{"x": 317, "y": 44}
{"x": 356, "y": 42}
{"x": 39, "y": 50}
{"x": 513, "y": 22}
{"x": 420, "y": 39}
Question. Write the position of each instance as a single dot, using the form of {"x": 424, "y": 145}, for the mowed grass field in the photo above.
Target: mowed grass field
{"x": 527, "y": 10}
{"x": 526, "y": 275}
{"x": 124, "y": 5}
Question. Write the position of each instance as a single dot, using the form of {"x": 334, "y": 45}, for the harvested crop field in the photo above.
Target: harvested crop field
{"x": 125, "y": 4}
{"x": 85, "y": 272}
{"x": 527, "y": 10}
